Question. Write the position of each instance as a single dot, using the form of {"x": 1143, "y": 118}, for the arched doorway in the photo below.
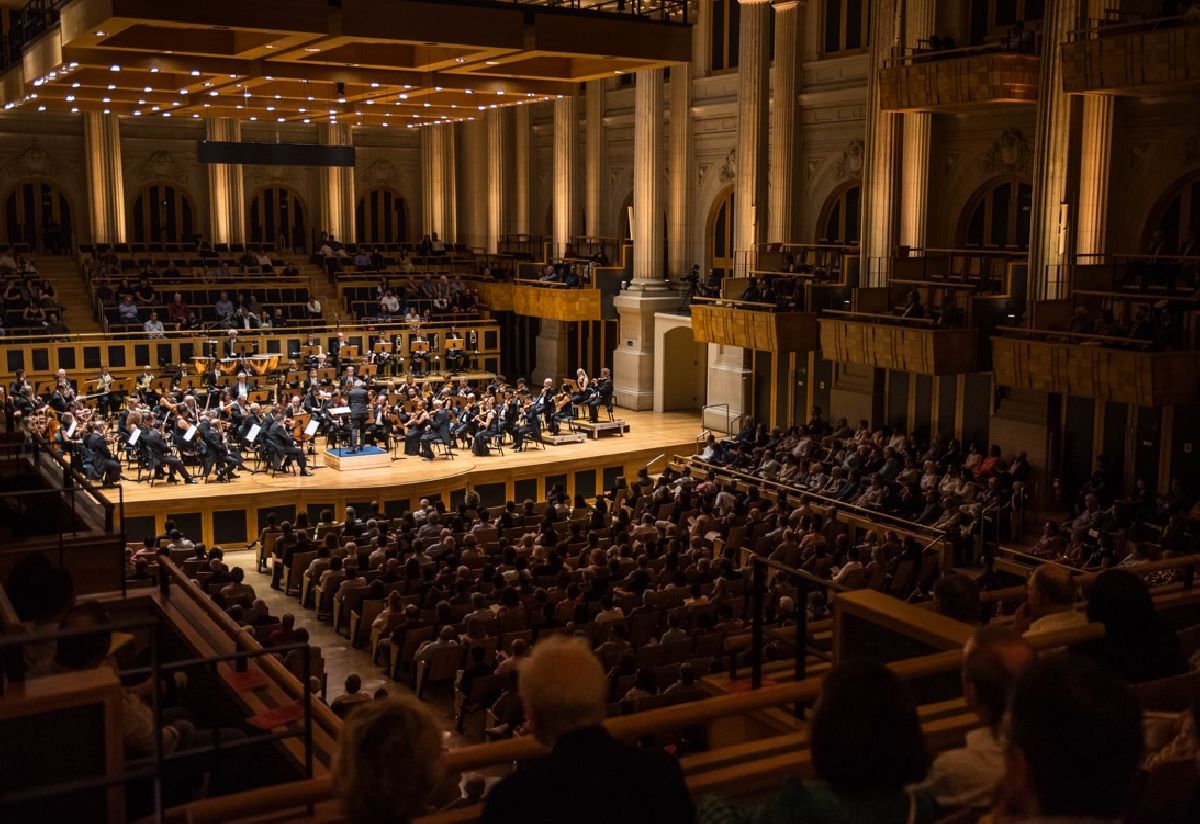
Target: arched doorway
{"x": 34, "y": 206}
{"x": 1176, "y": 214}
{"x": 274, "y": 212}
{"x": 381, "y": 216}
{"x": 997, "y": 216}
{"x": 161, "y": 213}
{"x": 719, "y": 235}
{"x": 840, "y": 215}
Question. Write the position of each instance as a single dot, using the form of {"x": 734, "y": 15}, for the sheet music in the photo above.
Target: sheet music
{"x": 340, "y": 410}
{"x": 191, "y": 433}
{"x": 311, "y": 429}
{"x": 133, "y": 437}
{"x": 253, "y": 433}
{"x": 71, "y": 430}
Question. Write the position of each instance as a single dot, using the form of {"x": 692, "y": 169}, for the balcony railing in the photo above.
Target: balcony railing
{"x": 753, "y": 325}
{"x": 1133, "y": 56}
{"x": 890, "y": 342}
{"x": 948, "y": 79}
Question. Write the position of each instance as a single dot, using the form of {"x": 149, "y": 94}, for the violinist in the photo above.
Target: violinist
{"x": 20, "y": 385}
{"x": 438, "y": 429}
{"x": 543, "y": 404}
{"x": 63, "y": 438}
{"x": 415, "y": 429}
{"x": 159, "y": 454}
{"x": 488, "y": 426}
{"x": 378, "y": 422}
{"x": 283, "y": 445}
{"x": 63, "y": 396}
{"x": 599, "y": 394}
{"x": 463, "y": 429}
{"x": 563, "y": 410}
{"x": 99, "y": 456}
{"x": 528, "y": 427}
{"x": 212, "y": 446}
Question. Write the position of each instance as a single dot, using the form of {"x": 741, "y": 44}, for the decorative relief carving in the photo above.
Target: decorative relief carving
{"x": 34, "y": 162}
{"x": 1191, "y": 149}
{"x": 951, "y": 161}
{"x": 275, "y": 176}
{"x": 381, "y": 172}
{"x": 1011, "y": 153}
{"x": 1138, "y": 149}
{"x": 159, "y": 166}
{"x": 851, "y": 162}
{"x": 728, "y": 170}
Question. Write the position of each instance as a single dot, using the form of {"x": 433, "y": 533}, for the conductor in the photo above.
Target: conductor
{"x": 358, "y": 401}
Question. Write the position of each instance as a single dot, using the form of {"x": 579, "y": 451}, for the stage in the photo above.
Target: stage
{"x": 231, "y": 513}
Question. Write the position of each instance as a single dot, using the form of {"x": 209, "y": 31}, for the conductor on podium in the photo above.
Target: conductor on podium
{"x": 358, "y": 401}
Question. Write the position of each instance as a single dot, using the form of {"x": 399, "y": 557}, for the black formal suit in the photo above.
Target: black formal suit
{"x": 529, "y": 428}
{"x": 592, "y": 778}
{"x": 104, "y": 465}
{"x": 215, "y": 453}
{"x": 160, "y": 454}
{"x": 281, "y": 442}
{"x": 602, "y": 396}
{"x": 357, "y": 399}
{"x": 438, "y": 430}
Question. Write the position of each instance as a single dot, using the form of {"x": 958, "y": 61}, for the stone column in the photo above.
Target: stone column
{"x": 450, "y": 183}
{"x": 729, "y": 381}
{"x": 1049, "y": 224}
{"x": 226, "y": 199}
{"x": 497, "y": 165}
{"x": 106, "y": 187}
{"x": 593, "y": 203}
{"x": 566, "y": 160}
{"x": 751, "y": 194}
{"x": 432, "y": 183}
{"x": 784, "y": 119}
{"x": 337, "y": 186}
{"x": 648, "y": 292}
{"x": 523, "y": 151}
{"x": 1095, "y": 157}
{"x": 917, "y": 128}
{"x": 474, "y": 183}
{"x": 878, "y": 223}
{"x": 679, "y": 173}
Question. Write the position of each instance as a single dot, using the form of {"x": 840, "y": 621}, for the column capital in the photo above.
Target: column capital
{"x": 754, "y": 2}
{"x": 787, "y": 5}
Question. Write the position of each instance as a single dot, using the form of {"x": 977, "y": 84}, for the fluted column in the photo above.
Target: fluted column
{"x": 431, "y": 199}
{"x": 1049, "y": 225}
{"x": 497, "y": 165}
{"x": 226, "y": 199}
{"x": 566, "y": 161}
{"x": 106, "y": 188}
{"x": 751, "y": 196}
{"x": 474, "y": 183}
{"x": 648, "y": 180}
{"x": 784, "y": 117}
{"x": 917, "y": 129}
{"x": 337, "y": 186}
{"x": 679, "y": 172}
{"x": 593, "y": 203}
{"x": 881, "y": 170}
{"x": 523, "y": 151}
{"x": 450, "y": 183}
{"x": 1095, "y": 158}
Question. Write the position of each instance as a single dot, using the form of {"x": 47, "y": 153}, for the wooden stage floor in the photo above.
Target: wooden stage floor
{"x": 214, "y": 511}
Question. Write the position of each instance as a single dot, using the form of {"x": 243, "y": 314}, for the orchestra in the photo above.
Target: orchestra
{"x": 173, "y": 425}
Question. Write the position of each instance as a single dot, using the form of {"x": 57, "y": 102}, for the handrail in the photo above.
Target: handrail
{"x": 728, "y": 420}
{"x": 626, "y": 727}
{"x": 908, "y": 56}
{"x": 1062, "y": 333}
{"x": 854, "y": 315}
{"x": 806, "y": 494}
{"x": 756, "y": 305}
{"x": 1104, "y": 29}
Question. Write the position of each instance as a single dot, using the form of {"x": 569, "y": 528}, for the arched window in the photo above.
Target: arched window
{"x": 161, "y": 213}
{"x": 997, "y": 216}
{"x": 846, "y": 25}
{"x": 381, "y": 217}
{"x": 840, "y": 215}
{"x": 276, "y": 213}
{"x": 33, "y": 206}
{"x": 1177, "y": 213}
{"x": 724, "y": 35}
{"x": 720, "y": 234}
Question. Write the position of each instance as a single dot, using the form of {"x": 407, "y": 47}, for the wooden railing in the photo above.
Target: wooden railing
{"x": 745, "y": 773}
{"x": 977, "y": 75}
{"x": 892, "y": 342}
{"x": 1150, "y": 56}
{"x": 753, "y": 325}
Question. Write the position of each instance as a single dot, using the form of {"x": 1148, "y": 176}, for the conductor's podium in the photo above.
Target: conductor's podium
{"x": 368, "y": 457}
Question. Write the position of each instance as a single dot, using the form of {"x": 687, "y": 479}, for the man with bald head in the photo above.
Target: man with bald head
{"x": 993, "y": 659}
{"x": 1049, "y": 602}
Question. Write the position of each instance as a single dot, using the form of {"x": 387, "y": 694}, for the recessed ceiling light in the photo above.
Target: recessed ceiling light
{"x": 166, "y": 114}
{"x": 279, "y": 119}
{"x": 106, "y": 100}
{"x": 492, "y": 62}
{"x": 99, "y": 33}
{"x": 141, "y": 102}
{"x": 341, "y": 100}
{"x": 213, "y": 93}
{"x": 306, "y": 120}
{"x": 252, "y": 117}
{"x": 195, "y": 72}
{"x": 154, "y": 70}
{"x": 106, "y": 111}
{"x": 312, "y": 49}
{"x": 302, "y": 110}
{"x": 278, "y": 96}
{"x": 70, "y": 98}
{"x": 74, "y": 110}
{"x": 374, "y": 85}
{"x": 114, "y": 68}
{"x": 183, "y": 91}
{"x": 468, "y": 91}
{"x": 41, "y": 108}
{"x": 370, "y": 102}
{"x": 270, "y": 108}
{"x": 111, "y": 86}
{"x": 403, "y": 96}
{"x": 147, "y": 89}
{"x": 75, "y": 85}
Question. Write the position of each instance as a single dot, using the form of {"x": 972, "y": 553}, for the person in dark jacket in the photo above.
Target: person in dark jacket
{"x": 588, "y": 776}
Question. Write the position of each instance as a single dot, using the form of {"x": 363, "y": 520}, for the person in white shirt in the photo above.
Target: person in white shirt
{"x": 154, "y": 326}
{"x": 127, "y": 310}
{"x": 993, "y": 659}
{"x": 1049, "y": 602}
{"x": 608, "y": 611}
{"x": 853, "y": 563}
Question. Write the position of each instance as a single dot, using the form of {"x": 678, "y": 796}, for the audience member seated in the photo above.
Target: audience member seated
{"x": 353, "y": 697}
{"x": 587, "y": 772}
{"x": 1137, "y": 645}
{"x": 1049, "y": 602}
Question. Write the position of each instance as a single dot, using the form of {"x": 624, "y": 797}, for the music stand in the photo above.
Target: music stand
{"x": 245, "y": 347}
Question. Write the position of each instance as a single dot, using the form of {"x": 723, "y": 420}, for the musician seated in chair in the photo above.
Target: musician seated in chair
{"x": 98, "y": 457}
{"x": 599, "y": 395}
{"x": 158, "y": 454}
{"x": 283, "y": 445}
{"x": 563, "y": 409}
{"x": 529, "y": 427}
{"x": 378, "y": 423}
{"x": 456, "y": 357}
{"x": 418, "y": 352}
{"x": 438, "y": 429}
{"x": 107, "y": 401}
{"x": 213, "y": 451}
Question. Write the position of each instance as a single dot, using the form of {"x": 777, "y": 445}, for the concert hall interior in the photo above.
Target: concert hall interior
{"x": 628, "y": 411}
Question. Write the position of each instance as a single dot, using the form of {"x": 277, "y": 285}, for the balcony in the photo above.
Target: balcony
{"x": 957, "y": 79}
{"x": 1079, "y": 365}
{"x": 556, "y": 302}
{"x": 496, "y": 296}
{"x": 889, "y": 342}
{"x": 1147, "y": 57}
{"x": 753, "y": 326}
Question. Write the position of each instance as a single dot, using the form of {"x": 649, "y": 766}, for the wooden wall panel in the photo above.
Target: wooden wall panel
{"x": 907, "y": 349}
{"x": 749, "y": 329}
{"x": 958, "y": 81}
{"x": 1155, "y": 61}
{"x": 556, "y": 304}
